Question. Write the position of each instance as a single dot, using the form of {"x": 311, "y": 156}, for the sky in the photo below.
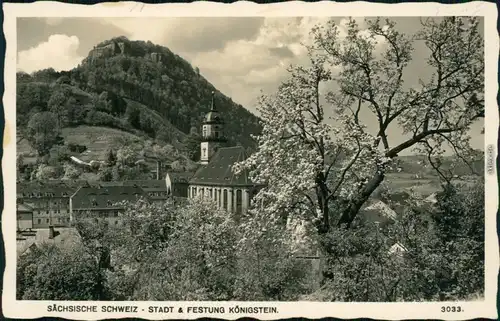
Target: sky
{"x": 241, "y": 56}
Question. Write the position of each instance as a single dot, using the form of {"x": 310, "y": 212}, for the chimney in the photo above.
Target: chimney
{"x": 51, "y": 232}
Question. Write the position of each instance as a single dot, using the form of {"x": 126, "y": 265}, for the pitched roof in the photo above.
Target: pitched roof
{"x": 66, "y": 237}
{"x": 180, "y": 177}
{"x": 218, "y": 170}
{"x": 105, "y": 197}
{"x": 45, "y": 189}
{"x": 24, "y": 208}
{"x": 397, "y": 248}
{"x": 431, "y": 198}
{"x": 383, "y": 209}
{"x": 155, "y": 189}
{"x": 149, "y": 183}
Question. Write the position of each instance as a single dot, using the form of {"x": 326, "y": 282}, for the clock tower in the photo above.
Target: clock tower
{"x": 212, "y": 133}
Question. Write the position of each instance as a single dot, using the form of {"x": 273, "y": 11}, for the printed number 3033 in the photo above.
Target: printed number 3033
{"x": 452, "y": 309}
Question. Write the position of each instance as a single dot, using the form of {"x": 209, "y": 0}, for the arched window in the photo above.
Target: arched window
{"x": 224, "y": 198}
{"x": 239, "y": 201}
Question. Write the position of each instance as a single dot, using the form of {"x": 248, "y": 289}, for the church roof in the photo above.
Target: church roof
{"x": 213, "y": 115}
{"x": 218, "y": 170}
{"x": 144, "y": 184}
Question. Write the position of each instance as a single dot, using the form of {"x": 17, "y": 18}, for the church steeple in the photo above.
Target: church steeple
{"x": 212, "y": 105}
{"x": 212, "y": 132}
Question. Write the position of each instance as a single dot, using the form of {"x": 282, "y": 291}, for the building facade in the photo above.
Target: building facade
{"x": 103, "y": 202}
{"x": 217, "y": 182}
{"x": 49, "y": 201}
{"x": 215, "y": 179}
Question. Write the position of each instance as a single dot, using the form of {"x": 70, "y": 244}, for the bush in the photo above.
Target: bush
{"x": 444, "y": 258}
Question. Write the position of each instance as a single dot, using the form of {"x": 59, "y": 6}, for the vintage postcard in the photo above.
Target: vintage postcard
{"x": 181, "y": 161}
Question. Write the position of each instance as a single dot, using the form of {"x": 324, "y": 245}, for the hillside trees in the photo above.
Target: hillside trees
{"x": 43, "y": 132}
{"x": 170, "y": 87}
{"x": 57, "y": 104}
{"x": 31, "y": 98}
{"x": 192, "y": 143}
{"x": 309, "y": 164}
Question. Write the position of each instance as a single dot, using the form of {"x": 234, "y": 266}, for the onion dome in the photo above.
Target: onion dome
{"x": 213, "y": 116}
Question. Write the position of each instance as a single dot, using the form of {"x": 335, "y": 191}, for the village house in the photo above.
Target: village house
{"x": 215, "y": 178}
{"x": 49, "y": 201}
{"x": 156, "y": 190}
{"x": 103, "y": 202}
{"x": 24, "y": 217}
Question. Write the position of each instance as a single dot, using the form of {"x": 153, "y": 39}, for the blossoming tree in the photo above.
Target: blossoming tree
{"x": 316, "y": 155}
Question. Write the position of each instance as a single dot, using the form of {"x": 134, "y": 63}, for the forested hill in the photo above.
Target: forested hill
{"x": 134, "y": 86}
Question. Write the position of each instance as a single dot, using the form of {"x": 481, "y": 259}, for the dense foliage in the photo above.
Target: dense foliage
{"x": 194, "y": 251}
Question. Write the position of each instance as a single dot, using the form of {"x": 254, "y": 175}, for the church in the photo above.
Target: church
{"x": 215, "y": 178}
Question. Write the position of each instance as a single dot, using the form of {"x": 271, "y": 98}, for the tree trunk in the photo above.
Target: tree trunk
{"x": 322, "y": 195}
{"x": 349, "y": 214}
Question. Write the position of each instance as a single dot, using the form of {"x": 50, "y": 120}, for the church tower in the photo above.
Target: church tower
{"x": 212, "y": 133}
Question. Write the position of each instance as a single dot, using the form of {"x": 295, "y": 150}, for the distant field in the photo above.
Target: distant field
{"x": 425, "y": 185}
{"x": 97, "y": 140}
{"x": 405, "y": 182}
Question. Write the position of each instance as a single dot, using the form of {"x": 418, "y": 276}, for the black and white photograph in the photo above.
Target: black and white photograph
{"x": 302, "y": 158}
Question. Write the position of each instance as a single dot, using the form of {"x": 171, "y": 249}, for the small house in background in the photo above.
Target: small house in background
{"x": 378, "y": 212}
{"x": 178, "y": 183}
{"x": 398, "y": 249}
{"x": 24, "y": 217}
{"x": 64, "y": 236}
{"x": 431, "y": 199}
{"x": 103, "y": 202}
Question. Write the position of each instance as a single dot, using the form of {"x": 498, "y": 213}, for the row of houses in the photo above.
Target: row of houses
{"x": 55, "y": 203}
{"x": 41, "y": 204}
